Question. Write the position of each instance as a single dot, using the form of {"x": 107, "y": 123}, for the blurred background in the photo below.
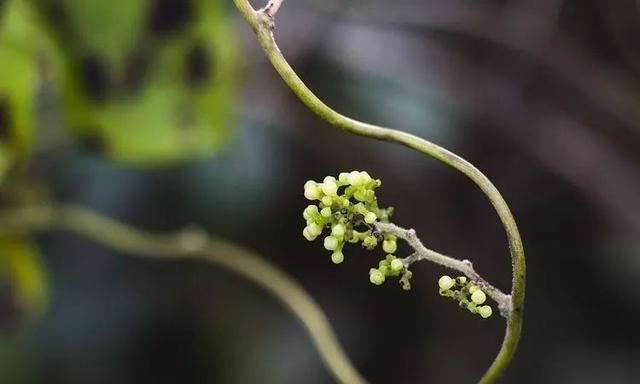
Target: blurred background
{"x": 165, "y": 114}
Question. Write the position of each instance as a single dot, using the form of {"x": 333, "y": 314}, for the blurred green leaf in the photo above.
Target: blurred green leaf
{"x": 22, "y": 270}
{"x": 147, "y": 82}
{"x": 18, "y": 84}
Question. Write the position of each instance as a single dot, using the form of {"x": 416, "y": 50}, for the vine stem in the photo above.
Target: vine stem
{"x": 197, "y": 245}
{"x": 262, "y": 23}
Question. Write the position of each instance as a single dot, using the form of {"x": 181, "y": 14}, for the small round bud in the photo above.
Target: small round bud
{"x": 389, "y": 246}
{"x": 327, "y": 200}
{"x": 445, "y": 283}
{"x": 376, "y": 277}
{"x": 338, "y": 230}
{"x": 397, "y": 265}
{"x": 329, "y": 187}
{"x": 330, "y": 243}
{"x": 307, "y": 235}
{"x": 310, "y": 211}
{"x": 485, "y": 311}
{"x": 343, "y": 177}
{"x": 478, "y": 297}
{"x": 314, "y": 229}
{"x": 370, "y": 218}
{"x": 473, "y": 289}
{"x": 326, "y": 212}
{"x": 462, "y": 279}
{"x": 337, "y": 257}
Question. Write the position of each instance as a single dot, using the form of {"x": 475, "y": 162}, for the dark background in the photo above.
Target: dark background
{"x": 542, "y": 95}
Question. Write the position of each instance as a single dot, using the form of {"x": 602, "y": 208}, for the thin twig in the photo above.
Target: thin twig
{"x": 463, "y": 266}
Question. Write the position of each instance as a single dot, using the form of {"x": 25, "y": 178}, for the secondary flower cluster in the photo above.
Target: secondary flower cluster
{"x": 391, "y": 266}
{"x": 468, "y": 295}
{"x": 346, "y": 207}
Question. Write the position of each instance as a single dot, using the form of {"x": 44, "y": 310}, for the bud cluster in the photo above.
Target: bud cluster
{"x": 346, "y": 209}
{"x": 391, "y": 266}
{"x": 469, "y": 296}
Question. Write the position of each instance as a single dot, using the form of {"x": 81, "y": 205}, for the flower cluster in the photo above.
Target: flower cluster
{"x": 391, "y": 266}
{"x": 468, "y": 295}
{"x": 347, "y": 208}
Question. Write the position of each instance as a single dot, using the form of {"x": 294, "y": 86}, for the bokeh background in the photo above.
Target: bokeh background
{"x": 165, "y": 114}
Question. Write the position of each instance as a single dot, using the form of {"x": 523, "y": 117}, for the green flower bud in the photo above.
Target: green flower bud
{"x": 338, "y": 230}
{"x": 370, "y": 218}
{"x": 445, "y": 283}
{"x": 462, "y": 279}
{"x": 389, "y": 246}
{"x": 485, "y": 311}
{"x": 314, "y": 229}
{"x": 330, "y": 243}
{"x": 310, "y": 211}
{"x": 369, "y": 242}
{"x": 472, "y": 289}
{"x": 307, "y": 235}
{"x": 397, "y": 265}
{"x": 376, "y": 277}
{"x": 478, "y": 297}
{"x": 337, "y": 257}
{"x": 360, "y": 195}
{"x": 326, "y": 212}
{"x": 327, "y": 200}
{"x": 343, "y": 178}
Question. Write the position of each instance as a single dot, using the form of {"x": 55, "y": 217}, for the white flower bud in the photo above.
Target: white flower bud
{"x": 311, "y": 191}
{"x": 329, "y": 187}
{"x": 327, "y": 200}
{"x": 355, "y": 178}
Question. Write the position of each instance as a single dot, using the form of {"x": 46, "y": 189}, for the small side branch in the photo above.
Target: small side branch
{"x": 463, "y": 266}
{"x": 272, "y": 8}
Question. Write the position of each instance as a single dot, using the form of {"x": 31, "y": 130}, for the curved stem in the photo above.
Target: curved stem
{"x": 262, "y": 23}
{"x": 192, "y": 244}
